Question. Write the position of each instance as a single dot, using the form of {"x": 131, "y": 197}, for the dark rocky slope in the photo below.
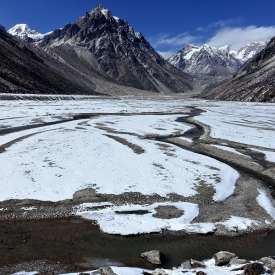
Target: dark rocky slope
{"x": 254, "y": 82}
{"x": 100, "y": 43}
{"x": 27, "y": 69}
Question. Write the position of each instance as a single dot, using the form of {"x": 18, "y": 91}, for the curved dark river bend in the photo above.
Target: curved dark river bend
{"x": 80, "y": 245}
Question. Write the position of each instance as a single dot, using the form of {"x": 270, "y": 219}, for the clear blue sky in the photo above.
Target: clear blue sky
{"x": 156, "y": 19}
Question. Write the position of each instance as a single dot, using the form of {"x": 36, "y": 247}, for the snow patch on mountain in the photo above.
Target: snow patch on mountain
{"x": 250, "y": 50}
{"x": 23, "y": 31}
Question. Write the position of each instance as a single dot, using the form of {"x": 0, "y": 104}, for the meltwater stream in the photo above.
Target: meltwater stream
{"x": 79, "y": 245}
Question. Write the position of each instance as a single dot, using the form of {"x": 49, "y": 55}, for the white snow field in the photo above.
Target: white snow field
{"x": 16, "y": 113}
{"x": 248, "y": 123}
{"x": 265, "y": 202}
{"x": 124, "y": 220}
{"x": 60, "y": 160}
{"x": 115, "y": 154}
{"x": 113, "y": 222}
{"x": 210, "y": 269}
{"x": 146, "y": 125}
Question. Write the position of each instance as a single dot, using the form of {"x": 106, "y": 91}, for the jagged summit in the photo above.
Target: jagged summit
{"x": 209, "y": 64}
{"x": 249, "y": 51}
{"x": 255, "y": 81}
{"x": 102, "y": 43}
{"x": 205, "y": 59}
{"x": 101, "y": 10}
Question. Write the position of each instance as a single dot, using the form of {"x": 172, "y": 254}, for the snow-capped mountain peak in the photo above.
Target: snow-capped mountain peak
{"x": 100, "y": 10}
{"x": 205, "y": 59}
{"x": 23, "y": 31}
{"x": 250, "y": 50}
{"x": 210, "y": 60}
{"x": 209, "y": 64}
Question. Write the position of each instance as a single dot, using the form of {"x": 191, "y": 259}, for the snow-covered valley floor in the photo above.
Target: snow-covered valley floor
{"x": 136, "y": 166}
{"x": 51, "y": 150}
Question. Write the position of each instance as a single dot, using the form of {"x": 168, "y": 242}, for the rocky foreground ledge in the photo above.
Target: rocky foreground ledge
{"x": 221, "y": 263}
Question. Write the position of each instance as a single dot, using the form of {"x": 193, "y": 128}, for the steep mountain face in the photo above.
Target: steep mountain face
{"x": 210, "y": 65}
{"x": 27, "y": 69}
{"x": 99, "y": 43}
{"x": 206, "y": 64}
{"x": 254, "y": 82}
{"x": 249, "y": 51}
{"x": 205, "y": 60}
{"x": 24, "y": 32}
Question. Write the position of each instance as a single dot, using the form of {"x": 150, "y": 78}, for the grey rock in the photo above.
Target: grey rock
{"x": 186, "y": 265}
{"x": 159, "y": 272}
{"x": 254, "y": 269}
{"x": 153, "y": 257}
{"x": 86, "y": 195}
{"x": 104, "y": 271}
{"x": 168, "y": 212}
{"x": 197, "y": 264}
{"x": 223, "y": 258}
{"x": 201, "y": 273}
{"x": 238, "y": 261}
{"x": 268, "y": 262}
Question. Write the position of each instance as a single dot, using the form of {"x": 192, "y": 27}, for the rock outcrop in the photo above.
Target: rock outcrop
{"x": 153, "y": 257}
{"x": 223, "y": 257}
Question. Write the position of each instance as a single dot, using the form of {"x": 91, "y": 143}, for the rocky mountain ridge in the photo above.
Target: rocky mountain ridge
{"x": 100, "y": 43}
{"x": 27, "y": 69}
{"x": 249, "y": 51}
{"x": 255, "y": 81}
{"x": 210, "y": 65}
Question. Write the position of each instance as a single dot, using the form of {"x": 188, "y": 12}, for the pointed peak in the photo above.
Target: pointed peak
{"x": 100, "y": 9}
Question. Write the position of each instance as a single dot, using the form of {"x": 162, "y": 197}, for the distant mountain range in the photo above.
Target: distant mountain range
{"x": 209, "y": 65}
{"x": 102, "y": 54}
{"x": 255, "y": 81}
